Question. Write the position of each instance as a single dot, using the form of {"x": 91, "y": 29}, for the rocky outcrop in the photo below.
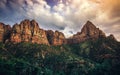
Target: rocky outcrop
{"x": 111, "y": 36}
{"x": 5, "y": 31}
{"x": 28, "y": 31}
{"x": 89, "y": 31}
{"x": 55, "y": 38}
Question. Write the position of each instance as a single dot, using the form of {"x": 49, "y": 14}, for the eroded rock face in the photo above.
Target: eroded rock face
{"x": 28, "y": 31}
{"x": 111, "y": 36}
{"x": 5, "y": 31}
{"x": 89, "y": 31}
{"x": 1, "y": 32}
{"x": 55, "y": 38}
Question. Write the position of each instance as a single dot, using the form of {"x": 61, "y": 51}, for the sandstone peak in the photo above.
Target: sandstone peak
{"x": 31, "y": 23}
{"x": 89, "y": 23}
{"x": 28, "y": 31}
{"x": 89, "y": 31}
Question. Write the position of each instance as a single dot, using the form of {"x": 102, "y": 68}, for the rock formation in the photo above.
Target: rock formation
{"x": 111, "y": 36}
{"x": 5, "y": 31}
{"x": 55, "y": 38}
{"x": 89, "y": 31}
{"x": 28, "y": 31}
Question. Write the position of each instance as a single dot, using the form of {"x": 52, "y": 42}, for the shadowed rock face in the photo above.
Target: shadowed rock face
{"x": 111, "y": 36}
{"x": 89, "y": 31}
{"x": 5, "y": 31}
{"x": 28, "y": 31}
{"x": 55, "y": 38}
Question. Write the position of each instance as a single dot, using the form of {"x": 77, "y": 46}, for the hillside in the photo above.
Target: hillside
{"x": 26, "y": 49}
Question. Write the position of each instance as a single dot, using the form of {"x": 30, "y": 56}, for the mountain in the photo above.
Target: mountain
{"x": 29, "y": 31}
{"x": 89, "y": 31}
{"x": 26, "y": 49}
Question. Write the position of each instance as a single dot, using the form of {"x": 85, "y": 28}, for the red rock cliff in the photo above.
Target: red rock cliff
{"x": 5, "y": 31}
{"x": 28, "y": 31}
{"x": 89, "y": 31}
{"x": 55, "y": 38}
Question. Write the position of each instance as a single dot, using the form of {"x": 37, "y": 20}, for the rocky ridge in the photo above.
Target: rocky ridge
{"x": 89, "y": 31}
{"x": 29, "y": 31}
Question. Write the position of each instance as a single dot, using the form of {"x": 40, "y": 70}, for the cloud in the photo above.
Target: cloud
{"x": 112, "y": 7}
{"x": 109, "y": 16}
{"x": 67, "y": 16}
{"x": 3, "y": 3}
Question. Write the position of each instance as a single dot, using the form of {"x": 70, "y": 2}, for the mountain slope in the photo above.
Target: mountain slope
{"x": 93, "y": 57}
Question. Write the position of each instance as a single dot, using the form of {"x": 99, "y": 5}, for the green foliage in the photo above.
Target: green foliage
{"x": 92, "y": 57}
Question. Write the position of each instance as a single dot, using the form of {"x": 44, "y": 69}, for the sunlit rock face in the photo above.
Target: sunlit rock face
{"x": 89, "y": 31}
{"x": 55, "y": 38}
{"x": 4, "y": 32}
{"x": 28, "y": 31}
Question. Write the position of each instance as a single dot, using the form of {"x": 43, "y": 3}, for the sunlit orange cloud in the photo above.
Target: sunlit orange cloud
{"x": 111, "y": 7}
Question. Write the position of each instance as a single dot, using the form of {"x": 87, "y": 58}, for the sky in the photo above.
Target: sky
{"x": 67, "y": 16}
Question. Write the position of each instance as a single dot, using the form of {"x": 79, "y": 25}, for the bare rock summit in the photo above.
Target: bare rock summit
{"x": 89, "y": 31}
{"x": 28, "y": 31}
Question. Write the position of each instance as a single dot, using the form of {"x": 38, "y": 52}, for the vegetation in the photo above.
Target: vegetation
{"x": 92, "y": 57}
